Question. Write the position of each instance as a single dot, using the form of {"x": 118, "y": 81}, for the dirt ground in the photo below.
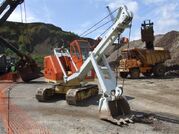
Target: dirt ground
{"x": 157, "y": 96}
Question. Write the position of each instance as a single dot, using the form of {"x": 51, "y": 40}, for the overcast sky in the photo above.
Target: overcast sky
{"x": 78, "y": 15}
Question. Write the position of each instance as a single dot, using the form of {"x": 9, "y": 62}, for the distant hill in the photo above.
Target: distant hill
{"x": 36, "y": 38}
{"x": 170, "y": 41}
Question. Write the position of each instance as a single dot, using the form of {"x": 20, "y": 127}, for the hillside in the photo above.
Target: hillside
{"x": 170, "y": 41}
{"x": 36, "y": 38}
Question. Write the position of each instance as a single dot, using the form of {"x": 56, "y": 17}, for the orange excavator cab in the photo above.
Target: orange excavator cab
{"x": 79, "y": 50}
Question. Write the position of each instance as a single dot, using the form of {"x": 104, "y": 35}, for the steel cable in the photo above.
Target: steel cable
{"x": 97, "y": 28}
{"x": 84, "y": 33}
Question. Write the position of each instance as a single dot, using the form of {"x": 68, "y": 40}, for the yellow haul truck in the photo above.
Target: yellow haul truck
{"x": 148, "y": 60}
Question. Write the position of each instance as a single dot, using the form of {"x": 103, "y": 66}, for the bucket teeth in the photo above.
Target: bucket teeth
{"x": 121, "y": 121}
{"x": 129, "y": 120}
{"x": 116, "y": 111}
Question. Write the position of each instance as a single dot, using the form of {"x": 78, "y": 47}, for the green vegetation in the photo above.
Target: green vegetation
{"x": 39, "y": 59}
{"x": 8, "y": 52}
{"x": 34, "y": 38}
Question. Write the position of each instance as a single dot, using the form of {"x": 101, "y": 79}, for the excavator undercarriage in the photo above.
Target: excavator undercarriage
{"x": 117, "y": 111}
{"x": 74, "y": 94}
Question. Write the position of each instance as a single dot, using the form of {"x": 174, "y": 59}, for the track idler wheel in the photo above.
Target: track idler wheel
{"x": 45, "y": 94}
{"x": 117, "y": 111}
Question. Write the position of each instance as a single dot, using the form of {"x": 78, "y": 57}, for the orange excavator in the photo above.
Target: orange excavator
{"x": 70, "y": 70}
{"x": 26, "y": 67}
{"x": 53, "y": 73}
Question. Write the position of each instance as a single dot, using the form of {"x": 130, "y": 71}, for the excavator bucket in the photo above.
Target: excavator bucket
{"x": 117, "y": 111}
{"x": 27, "y": 74}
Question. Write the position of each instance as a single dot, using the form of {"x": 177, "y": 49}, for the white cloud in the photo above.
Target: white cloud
{"x": 113, "y": 4}
{"x": 86, "y": 24}
{"x": 136, "y": 35}
{"x": 16, "y": 16}
{"x": 167, "y": 17}
{"x": 131, "y": 4}
{"x": 46, "y": 11}
{"x": 153, "y": 1}
{"x": 42, "y": 14}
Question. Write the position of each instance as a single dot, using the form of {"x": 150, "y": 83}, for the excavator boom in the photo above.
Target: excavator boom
{"x": 113, "y": 106}
{"x": 11, "y": 5}
{"x": 123, "y": 20}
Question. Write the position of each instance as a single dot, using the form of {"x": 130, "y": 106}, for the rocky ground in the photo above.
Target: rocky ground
{"x": 157, "y": 96}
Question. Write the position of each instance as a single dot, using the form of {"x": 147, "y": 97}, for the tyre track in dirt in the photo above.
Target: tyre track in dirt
{"x": 155, "y": 95}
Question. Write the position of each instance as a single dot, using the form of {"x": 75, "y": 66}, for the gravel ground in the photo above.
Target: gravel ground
{"x": 157, "y": 96}
{"x": 2, "y": 131}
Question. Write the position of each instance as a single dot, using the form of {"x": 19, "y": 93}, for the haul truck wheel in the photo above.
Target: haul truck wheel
{"x": 135, "y": 73}
{"x": 159, "y": 70}
{"x": 147, "y": 74}
{"x": 123, "y": 74}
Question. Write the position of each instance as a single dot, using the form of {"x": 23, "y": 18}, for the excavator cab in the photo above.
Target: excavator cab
{"x": 79, "y": 50}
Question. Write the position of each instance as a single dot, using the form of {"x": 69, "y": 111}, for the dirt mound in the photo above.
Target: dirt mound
{"x": 170, "y": 41}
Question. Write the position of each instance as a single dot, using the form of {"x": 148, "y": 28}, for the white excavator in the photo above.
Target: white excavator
{"x": 63, "y": 69}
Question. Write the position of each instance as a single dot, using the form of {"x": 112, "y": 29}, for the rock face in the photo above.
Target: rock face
{"x": 168, "y": 41}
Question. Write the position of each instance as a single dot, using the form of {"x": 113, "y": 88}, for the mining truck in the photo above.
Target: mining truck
{"x": 149, "y": 60}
